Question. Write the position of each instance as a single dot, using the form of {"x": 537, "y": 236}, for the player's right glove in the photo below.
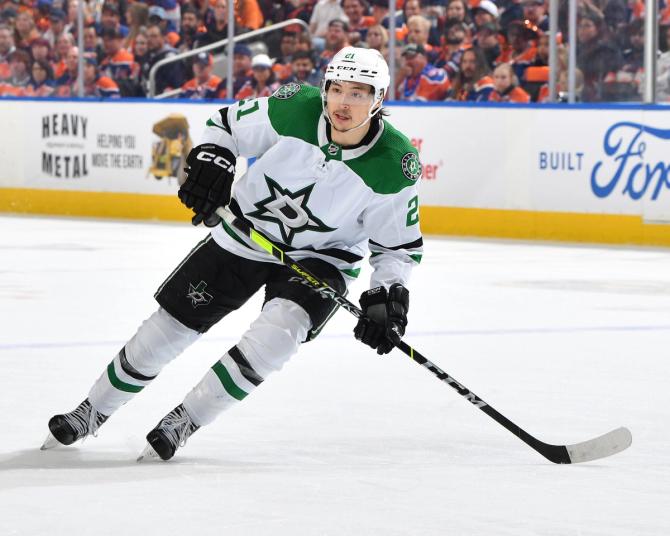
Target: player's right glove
{"x": 209, "y": 179}
{"x": 384, "y": 317}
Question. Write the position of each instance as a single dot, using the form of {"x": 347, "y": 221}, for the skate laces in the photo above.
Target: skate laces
{"x": 85, "y": 420}
{"x": 177, "y": 427}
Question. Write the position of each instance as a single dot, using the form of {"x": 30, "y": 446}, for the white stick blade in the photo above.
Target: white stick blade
{"x": 601, "y": 447}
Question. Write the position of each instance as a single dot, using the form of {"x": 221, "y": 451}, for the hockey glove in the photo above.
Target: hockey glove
{"x": 384, "y": 317}
{"x": 209, "y": 179}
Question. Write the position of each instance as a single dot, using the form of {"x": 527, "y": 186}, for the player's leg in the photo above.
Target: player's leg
{"x": 292, "y": 314}
{"x": 203, "y": 288}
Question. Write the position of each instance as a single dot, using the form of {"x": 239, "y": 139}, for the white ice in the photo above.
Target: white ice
{"x": 567, "y": 341}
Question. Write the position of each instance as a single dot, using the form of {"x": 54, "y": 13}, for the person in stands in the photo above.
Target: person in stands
{"x": 42, "y": 83}
{"x": 263, "y": 82}
{"x": 472, "y": 83}
{"x": 421, "y": 81}
{"x": 203, "y": 85}
{"x": 506, "y": 86}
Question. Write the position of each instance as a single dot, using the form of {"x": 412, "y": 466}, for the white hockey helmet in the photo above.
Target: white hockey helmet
{"x": 362, "y": 65}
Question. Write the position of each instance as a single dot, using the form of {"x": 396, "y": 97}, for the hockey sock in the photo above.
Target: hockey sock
{"x": 270, "y": 341}
{"x": 158, "y": 341}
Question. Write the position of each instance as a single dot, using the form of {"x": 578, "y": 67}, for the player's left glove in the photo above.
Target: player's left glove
{"x": 209, "y": 179}
{"x": 384, "y": 317}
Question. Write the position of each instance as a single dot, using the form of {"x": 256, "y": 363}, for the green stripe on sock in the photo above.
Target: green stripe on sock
{"x": 120, "y": 385}
{"x": 352, "y": 272}
{"x": 228, "y": 383}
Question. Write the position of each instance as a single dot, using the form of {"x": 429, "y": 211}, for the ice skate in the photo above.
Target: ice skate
{"x": 171, "y": 433}
{"x": 67, "y": 428}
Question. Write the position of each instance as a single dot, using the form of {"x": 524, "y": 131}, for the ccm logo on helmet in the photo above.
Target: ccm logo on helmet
{"x": 217, "y": 160}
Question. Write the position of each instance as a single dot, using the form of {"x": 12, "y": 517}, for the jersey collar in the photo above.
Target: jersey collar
{"x": 333, "y": 151}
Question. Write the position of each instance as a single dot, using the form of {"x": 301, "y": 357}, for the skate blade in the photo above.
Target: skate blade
{"x": 50, "y": 442}
{"x": 148, "y": 454}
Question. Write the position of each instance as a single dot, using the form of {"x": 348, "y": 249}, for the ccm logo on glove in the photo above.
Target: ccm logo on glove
{"x": 210, "y": 173}
{"x": 217, "y": 160}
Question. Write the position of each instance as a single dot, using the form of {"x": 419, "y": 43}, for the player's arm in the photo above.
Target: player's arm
{"x": 242, "y": 129}
{"x": 396, "y": 246}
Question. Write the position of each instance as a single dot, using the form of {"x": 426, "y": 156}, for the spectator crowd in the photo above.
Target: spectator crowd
{"x": 463, "y": 50}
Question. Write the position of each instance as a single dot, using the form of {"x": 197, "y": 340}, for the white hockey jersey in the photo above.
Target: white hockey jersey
{"x": 315, "y": 198}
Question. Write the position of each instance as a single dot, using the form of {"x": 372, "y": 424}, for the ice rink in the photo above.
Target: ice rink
{"x": 567, "y": 341}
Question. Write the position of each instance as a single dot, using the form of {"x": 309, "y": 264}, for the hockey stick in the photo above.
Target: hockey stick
{"x": 593, "y": 449}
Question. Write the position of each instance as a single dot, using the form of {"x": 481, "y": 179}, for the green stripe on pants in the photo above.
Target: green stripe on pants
{"x": 121, "y": 385}
{"x": 228, "y": 383}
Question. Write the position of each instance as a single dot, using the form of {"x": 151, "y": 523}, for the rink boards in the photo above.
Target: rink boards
{"x": 583, "y": 173}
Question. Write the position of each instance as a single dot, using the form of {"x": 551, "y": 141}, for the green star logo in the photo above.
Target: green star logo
{"x": 289, "y": 211}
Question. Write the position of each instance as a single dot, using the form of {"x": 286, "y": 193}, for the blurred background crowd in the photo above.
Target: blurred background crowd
{"x": 463, "y": 50}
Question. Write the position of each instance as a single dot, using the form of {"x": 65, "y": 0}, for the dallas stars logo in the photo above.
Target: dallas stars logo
{"x": 289, "y": 211}
{"x": 411, "y": 167}
{"x": 286, "y": 91}
{"x": 198, "y": 295}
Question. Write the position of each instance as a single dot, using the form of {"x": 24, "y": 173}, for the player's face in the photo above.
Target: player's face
{"x": 348, "y": 104}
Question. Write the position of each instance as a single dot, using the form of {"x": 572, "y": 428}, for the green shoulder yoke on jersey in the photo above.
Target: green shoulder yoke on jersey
{"x": 390, "y": 165}
{"x": 294, "y": 111}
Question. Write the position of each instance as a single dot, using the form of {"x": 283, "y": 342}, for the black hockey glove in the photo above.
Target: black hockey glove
{"x": 384, "y": 317}
{"x": 209, "y": 179}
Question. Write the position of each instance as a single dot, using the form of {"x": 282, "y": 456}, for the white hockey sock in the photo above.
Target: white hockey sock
{"x": 269, "y": 343}
{"x": 158, "y": 341}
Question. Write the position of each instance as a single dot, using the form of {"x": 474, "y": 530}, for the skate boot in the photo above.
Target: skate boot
{"x": 171, "y": 433}
{"x": 70, "y": 427}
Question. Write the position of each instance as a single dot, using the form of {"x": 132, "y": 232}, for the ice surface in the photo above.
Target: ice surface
{"x": 567, "y": 341}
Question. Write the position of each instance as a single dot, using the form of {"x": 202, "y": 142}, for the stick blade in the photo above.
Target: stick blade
{"x": 600, "y": 447}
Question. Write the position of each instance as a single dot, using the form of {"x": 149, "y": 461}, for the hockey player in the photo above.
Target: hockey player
{"x": 332, "y": 180}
